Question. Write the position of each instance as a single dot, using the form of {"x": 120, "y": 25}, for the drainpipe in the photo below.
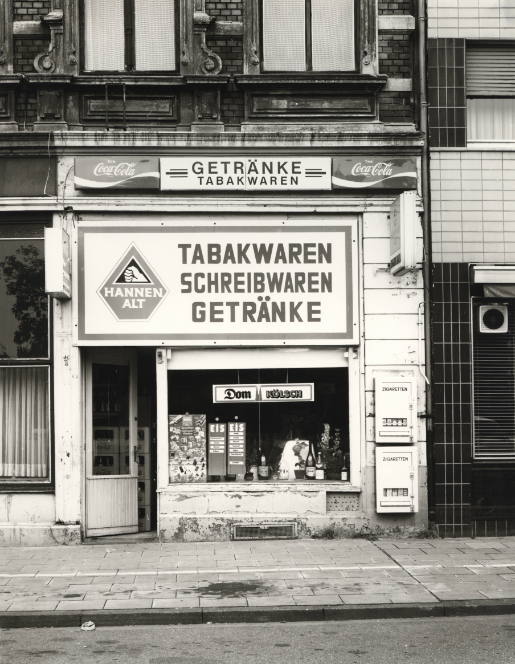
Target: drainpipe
{"x": 426, "y": 225}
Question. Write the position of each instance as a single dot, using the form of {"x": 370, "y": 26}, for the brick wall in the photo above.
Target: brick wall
{"x": 396, "y": 55}
{"x": 227, "y": 10}
{"x": 395, "y": 6}
{"x": 232, "y": 108}
{"x": 25, "y": 50}
{"x": 26, "y": 109}
{"x": 230, "y": 49}
{"x": 396, "y": 107}
{"x": 30, "y": 10}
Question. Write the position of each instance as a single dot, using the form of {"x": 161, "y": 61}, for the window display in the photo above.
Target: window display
{"x": 258, "y": 424}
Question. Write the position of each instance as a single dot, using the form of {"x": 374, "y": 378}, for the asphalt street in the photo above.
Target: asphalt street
{"x": 472, "y": 640}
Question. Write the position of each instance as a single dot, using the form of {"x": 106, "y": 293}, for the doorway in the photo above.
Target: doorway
{"x": 120, "y": 441}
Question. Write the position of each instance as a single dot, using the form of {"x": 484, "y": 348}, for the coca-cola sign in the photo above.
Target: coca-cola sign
{"x": 107, "y": 172}
{"x": 374, "y": 172}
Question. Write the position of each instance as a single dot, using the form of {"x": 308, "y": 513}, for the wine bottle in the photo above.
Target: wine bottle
{"x": 319, "y": 468}
{"x": 263, "y": 470}
{"x": 345, "y": 470}
{"x": 310, "y": 469}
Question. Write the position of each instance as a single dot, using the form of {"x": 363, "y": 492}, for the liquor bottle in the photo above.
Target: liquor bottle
{"x": 345, "y": 470}
{"x": 263, "y": 469}
{"x": 319, "y": 468}
{"x": 310, "y": 470}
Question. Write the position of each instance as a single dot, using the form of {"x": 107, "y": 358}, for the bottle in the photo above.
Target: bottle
{"x": 319, "y": 468}
{"x": 263, "y": 468}
{"x": 345, "y": 470}
{"x": 310, "y": 470}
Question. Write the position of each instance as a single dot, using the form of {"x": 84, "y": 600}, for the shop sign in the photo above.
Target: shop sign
{"x": 132, "y": 290}
{"x": 271, "y": 392}
{"x": 234, "y": 393}
{"x": 276, "y": 392}
{"x": 223, "y": 285}
{"x": 58, "y": 279}
{"x": 246, "y": 173}
{"x": 374, "y": 172}
{"x": 117, "y": 172}
{"x": 404, "y": 224}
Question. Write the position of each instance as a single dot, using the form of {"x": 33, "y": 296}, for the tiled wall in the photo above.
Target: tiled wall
{"x": 473, "y": 206}
{"x": 446, "y": 92}
{"x": 452, "y": 394}
{"x": 471, "y": 19}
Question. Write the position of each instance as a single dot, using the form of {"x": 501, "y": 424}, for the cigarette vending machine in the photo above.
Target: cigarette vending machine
{"x": 396, "y": 480}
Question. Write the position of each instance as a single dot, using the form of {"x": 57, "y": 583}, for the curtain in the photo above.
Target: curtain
{"x": 332, "y": 35}
{"x": 104, "y": 35}
{"x": 155, "y": 34}
{"x": 24, "y": 422}
{"x": 284, "y": 39}
{"x": 491, "y": 119}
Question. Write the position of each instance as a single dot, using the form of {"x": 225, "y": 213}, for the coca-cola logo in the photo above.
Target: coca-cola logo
{"x": 114, "y": 169}
{"x": 373, "y": 169}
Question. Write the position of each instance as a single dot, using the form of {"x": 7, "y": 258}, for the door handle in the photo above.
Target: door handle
{"x": 135, "y": 453}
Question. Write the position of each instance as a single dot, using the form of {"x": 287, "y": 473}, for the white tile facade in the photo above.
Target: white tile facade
{"x": 471, "y": 19}
{"x": 473, "y": 206}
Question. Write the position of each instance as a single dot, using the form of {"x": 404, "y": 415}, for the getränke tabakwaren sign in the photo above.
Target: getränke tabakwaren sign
{"x": 246, "y": 173}
{"x": 229, "y": 284}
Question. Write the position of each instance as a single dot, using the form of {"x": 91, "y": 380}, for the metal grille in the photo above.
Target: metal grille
{"x": 155, "y": 34}
{"x": 284, "y": 47}
{"x": 104, "y": 35}
{"x": 494, "y": 389}
{"x": 264, "y": 531}
{"x": 493, "y": 527}
{"x": 332, "y": 29}
{"x": 490, "y": 71}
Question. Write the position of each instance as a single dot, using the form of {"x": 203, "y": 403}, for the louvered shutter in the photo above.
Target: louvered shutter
{"x": 490, "y": 72}
{"x": 154, "y": 22}
{"x": 332, "y": 35}
{"x": 104, "y": 35}
{"x": 494, "y": 390}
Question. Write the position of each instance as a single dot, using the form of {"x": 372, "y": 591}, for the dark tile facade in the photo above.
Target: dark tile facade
{"x": 446, "y": 92}
{"x": 451, "y": 448}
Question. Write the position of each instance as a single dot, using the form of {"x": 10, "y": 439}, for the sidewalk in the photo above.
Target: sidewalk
{"x": 255, "y": 581}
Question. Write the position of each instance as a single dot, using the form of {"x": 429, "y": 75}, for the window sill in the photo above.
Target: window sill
{"x": 268, "y": 486}
{"x": 359, "y": 82}
{"x": 501, "y": 146}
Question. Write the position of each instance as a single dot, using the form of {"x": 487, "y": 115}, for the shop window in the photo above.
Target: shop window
{"x": 494, "y": 378}
{"x": 490, "y": 84}
{"x": 214, "y": 438}
{"x": 24, "y": 356}
{"x": 130, "y": 35}
{"x": 308, "y": 35}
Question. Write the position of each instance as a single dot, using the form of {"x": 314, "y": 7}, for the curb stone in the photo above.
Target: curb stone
{"x": 120, "y": 618}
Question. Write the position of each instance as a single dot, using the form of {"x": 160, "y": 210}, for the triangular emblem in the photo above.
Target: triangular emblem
{"x": 133, "y": 273}
{"x": 133, "y": 290}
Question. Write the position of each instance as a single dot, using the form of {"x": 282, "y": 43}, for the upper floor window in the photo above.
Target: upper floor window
{"x": 308, "y": 35}
{"x": 130, "y": 35}
{"x": 490, "y": 84}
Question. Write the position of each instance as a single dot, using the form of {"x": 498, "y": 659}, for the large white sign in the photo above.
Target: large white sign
{"x": 223, "y": 285}
{"x": 246, "y": 173}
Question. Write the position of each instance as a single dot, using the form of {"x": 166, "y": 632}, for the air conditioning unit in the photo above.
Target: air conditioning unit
{"x": 493, "y": 318}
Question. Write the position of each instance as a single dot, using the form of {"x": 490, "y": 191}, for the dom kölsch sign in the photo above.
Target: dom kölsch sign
{"x": 270, "y": 393}
{"x": 218, "y": 284}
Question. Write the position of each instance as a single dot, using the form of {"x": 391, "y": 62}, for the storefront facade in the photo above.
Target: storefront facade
{"x": 234, "y": 266}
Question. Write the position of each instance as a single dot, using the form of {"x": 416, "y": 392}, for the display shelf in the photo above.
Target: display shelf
{"x": 270, "y": 486}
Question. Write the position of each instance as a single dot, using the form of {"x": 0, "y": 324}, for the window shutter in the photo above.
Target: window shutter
{"x": 284, "y": 35}
{"x": 154, "y": 22}
{"x": 104, "y": 35}
{"x": 490, "y": 72}
{"x": 494, "y": 391}
{"x": 332, "y": 35}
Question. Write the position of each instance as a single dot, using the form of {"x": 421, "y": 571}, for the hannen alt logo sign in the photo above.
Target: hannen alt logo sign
{"x": 132, "y": 290}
